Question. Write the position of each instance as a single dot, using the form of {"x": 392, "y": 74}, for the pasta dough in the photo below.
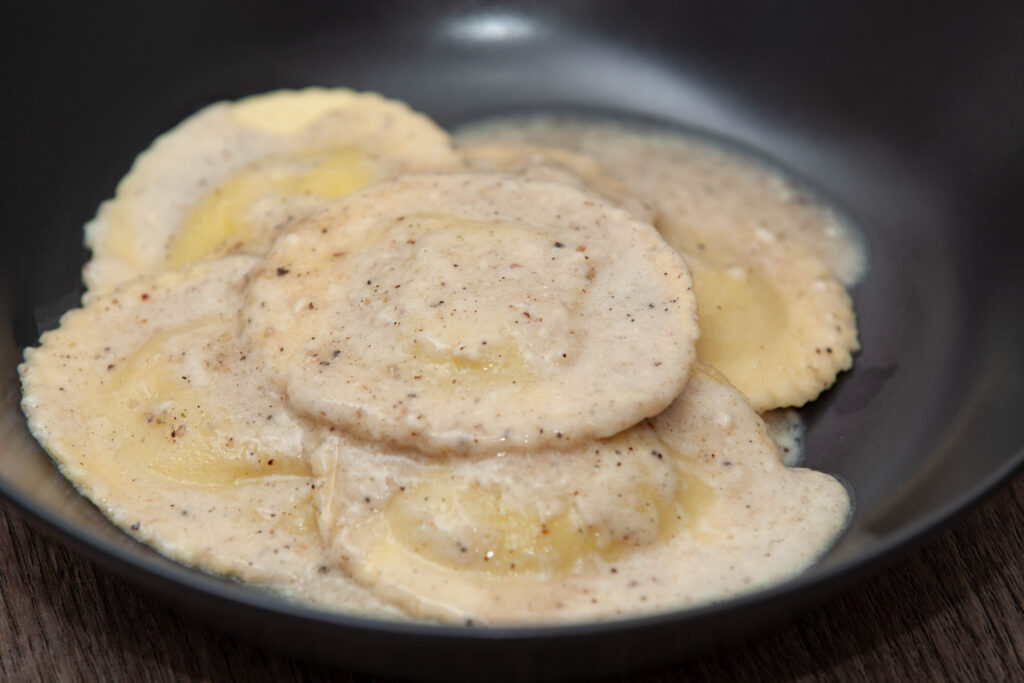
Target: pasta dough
{"x": 228, "y": 177}
{"x": 475, "y": 313}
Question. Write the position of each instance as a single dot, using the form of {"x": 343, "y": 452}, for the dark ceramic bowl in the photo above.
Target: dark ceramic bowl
{"x": 912, "y": 123}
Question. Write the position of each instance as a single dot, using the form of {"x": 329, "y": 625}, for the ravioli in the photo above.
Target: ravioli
{"x": 712, "y": 186}
{"x": 692, "y": 506}
{"x": 228, "y": 177}
{"x": 556, "y": 164}
{"x": 170, "y": 428}
{"x": 474, "y": 313}
{"x": 328, "y": 354}
{"x": 775, "y": 318}
{"x": 772, "y": 318}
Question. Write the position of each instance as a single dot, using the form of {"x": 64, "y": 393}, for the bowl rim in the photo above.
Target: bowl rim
{"x": 808, "y": 586}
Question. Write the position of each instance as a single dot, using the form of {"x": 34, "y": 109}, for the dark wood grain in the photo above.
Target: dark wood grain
{"x": 952, "y": 610}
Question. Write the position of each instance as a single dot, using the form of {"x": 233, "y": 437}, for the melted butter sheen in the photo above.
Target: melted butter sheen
{"x": 177, "y": 431}
{"x": 225, "y": 217}
{"x": 445, "y": 371}
{"x": 735, "y": 306}
{"x": 462, "y": 524}
{"x": 458, "y": 335}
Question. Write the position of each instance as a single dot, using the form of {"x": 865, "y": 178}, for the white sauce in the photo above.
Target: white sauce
{"x": 714, "y": 186}
{"x": 786, "y": 430}
{"x": 703, "y": 509}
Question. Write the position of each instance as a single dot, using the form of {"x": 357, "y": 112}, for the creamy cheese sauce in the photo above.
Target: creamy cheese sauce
{"x": 693, "y": 506}
{"x": 786, "y": 430}
{"x": 722, "y": 189}
{"x": 229, "y": 177}
{"x": 462, "y": 397}
{"x": 769, "y": 265}
{"x": 515, "y": 313}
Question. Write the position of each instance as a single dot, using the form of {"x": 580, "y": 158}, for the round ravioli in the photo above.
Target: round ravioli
{"x": 171, "y": 430}
{"x": 692, "y": 506}
{"x": 712, "y": 185}
{"x": 474, "y": 313}
{"x": 555, "y": 164}
{"x": 774, "y": 317}
{"x": 786, "y": 430}
{"x": 224, "y": 180}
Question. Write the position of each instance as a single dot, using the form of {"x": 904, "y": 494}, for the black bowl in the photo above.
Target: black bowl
{"x": 911, "y": 123}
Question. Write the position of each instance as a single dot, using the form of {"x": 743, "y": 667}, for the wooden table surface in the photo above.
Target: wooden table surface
{"x": 951, "y": 610}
